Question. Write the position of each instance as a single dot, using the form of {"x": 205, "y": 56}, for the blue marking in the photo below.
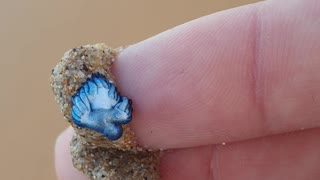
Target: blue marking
{"x": 98, "y": 106}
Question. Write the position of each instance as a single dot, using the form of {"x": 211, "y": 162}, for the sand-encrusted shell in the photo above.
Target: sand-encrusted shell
{"x": 92, "y": 152}
{"x": 74, "y": 69}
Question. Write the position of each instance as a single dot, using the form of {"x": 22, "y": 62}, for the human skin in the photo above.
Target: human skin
{"x": 234, "y": 95}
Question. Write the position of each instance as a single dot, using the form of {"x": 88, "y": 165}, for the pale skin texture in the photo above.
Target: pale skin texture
{"x": 249, "y": 77}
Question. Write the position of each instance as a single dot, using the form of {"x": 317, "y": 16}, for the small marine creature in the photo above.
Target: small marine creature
{"x": 103, "y": 145}
{"x": 99, "y": 107}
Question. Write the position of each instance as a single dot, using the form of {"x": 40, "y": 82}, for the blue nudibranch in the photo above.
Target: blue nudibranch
{"x": 98, "y": 106}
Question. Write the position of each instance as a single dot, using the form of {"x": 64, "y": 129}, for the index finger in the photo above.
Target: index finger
{"x": 239, "y": 74}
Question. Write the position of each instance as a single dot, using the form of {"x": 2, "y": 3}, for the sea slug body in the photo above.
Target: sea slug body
{"x": 99, "y": 107}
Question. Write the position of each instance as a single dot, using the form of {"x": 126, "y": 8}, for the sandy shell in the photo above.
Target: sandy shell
{"x": 93, "y": 153}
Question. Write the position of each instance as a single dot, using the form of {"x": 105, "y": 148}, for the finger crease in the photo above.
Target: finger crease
{"x": 257, "y": 84}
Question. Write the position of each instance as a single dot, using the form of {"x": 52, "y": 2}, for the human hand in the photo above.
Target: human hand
{"x": 235, "y": 94}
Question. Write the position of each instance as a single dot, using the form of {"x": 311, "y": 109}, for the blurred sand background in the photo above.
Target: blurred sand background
{"x": 34, "y": 35}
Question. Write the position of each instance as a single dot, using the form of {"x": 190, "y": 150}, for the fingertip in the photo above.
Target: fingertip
{"x": 181, "y": 80}
{"x": 63, "y": 162}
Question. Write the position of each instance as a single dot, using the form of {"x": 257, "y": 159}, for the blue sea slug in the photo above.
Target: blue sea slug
{"x": 98, "y": 106}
